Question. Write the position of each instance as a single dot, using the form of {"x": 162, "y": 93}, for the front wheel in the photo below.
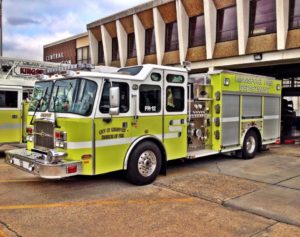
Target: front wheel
{"x": 250, "y": 145}
{"x": 144, "y": 164}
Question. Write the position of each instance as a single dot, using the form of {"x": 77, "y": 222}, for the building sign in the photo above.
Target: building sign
{"x": 54, "y": 56}
{"x": 254, "y": 84}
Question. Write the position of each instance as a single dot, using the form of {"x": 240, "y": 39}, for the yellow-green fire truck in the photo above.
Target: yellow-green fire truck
{"x": 87, "y": 123}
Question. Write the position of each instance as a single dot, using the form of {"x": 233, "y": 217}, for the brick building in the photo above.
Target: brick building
{"x": 71, "y": 50}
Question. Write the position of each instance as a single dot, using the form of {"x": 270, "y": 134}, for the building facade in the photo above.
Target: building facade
{"x": 231, "y": 34}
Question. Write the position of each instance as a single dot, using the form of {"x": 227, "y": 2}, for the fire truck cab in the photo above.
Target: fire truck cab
{"x": 17, "y": 79}
{"x": 14, "y": 95}
{"x": 89, "y": 123}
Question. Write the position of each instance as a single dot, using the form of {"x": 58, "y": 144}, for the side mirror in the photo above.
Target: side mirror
{"x": 114, "y": 100}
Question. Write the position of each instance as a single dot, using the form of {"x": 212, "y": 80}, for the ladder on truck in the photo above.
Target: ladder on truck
{"x": 13, "y": 68}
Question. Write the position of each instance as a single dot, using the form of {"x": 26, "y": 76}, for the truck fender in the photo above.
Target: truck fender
{"x": 140, "y": 139}
{"x": 258, "y": 133}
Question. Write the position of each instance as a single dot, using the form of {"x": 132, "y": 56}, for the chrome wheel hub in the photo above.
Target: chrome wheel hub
{"x": 147, "y": 163}
{"x": 251, "y": 145}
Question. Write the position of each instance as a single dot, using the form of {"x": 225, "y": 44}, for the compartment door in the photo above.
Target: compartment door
{"x": 271, "y": 118}
{"x": 230, "y": 120}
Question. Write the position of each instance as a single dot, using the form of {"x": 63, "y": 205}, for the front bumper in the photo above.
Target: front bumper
{"x": 34, "y": 163}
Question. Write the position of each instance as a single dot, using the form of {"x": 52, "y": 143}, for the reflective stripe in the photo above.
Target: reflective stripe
{"x": 271, "y": 117}
{"x": 115, "y": 142}
{"x": 10, "y": 126}
{"x": 79, "y": 145}
{"x": 171, "y": 135}
{"x": 231, "y": 119}
{"x": 175, "y": 128}
{"x": 177, "y": 122}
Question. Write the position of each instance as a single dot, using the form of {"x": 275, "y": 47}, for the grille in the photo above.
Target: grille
{"x": 43, "y": 135}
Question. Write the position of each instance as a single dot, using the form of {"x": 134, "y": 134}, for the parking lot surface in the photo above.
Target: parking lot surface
{"x": 214, "y": 196}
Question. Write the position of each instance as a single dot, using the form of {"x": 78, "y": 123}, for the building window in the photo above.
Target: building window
{"x": 150, "y": 45}
{"x": 294, "y": 14}
{"x": 171, "y": 43}
{"x": 175, "y": 99}
{"x": 124, "y": 97}
{"x": 83, "y": 55}
{"x": 227, "y": 24}
{"x": 100, "y": 53}
{"x": 115, "y": 49}
{"x": 196, "y": 31}
{"x": 131, "y": 48}
{"x": 150, "y": 99}
{"x": 262, "y": 17}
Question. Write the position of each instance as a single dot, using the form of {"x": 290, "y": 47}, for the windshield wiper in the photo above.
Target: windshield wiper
{"x": 54, "y": 108}
{"x": 38, "y": 105}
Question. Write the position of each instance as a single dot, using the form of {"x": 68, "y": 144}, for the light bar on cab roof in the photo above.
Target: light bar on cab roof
{"x": 42, "y": 77}
{"x": 71, "y": 73}
{"x": 65, "y": 68}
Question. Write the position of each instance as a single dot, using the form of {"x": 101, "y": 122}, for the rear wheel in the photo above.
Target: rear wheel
{"x": 250, "y": 145}
{"x": 144, "y": 164}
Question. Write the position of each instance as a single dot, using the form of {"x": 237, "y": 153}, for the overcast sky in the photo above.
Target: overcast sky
{"x": 30, "y": 24}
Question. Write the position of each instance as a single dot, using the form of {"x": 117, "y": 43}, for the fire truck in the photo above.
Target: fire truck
{"x": 17, "y": 79}
{"x": 138, "y": 119}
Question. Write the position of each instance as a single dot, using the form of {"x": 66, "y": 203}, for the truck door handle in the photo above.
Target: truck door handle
{"x": 14, "y": 116}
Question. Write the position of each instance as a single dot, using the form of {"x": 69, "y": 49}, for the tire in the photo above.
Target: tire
{"x": 250, "y": 145}
{"x": 144, "y": 164}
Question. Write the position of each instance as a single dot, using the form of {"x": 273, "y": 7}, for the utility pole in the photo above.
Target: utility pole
{"x": 1, "y": 29}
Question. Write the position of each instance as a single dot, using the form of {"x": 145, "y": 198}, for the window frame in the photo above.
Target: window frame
{"x": 191, "y": 43}
{"x": 48, "y": 92}
{"x": 169, "y": 46}
{"x": 252, "y": 16}
{"x": 82, "y": 59}
{"x": 100, "y": 53}
{"x": 292, "y": 16}
{"x": 115, "y": 55}
{"x": 131, "y": 46}
{"x": 152, "y": 49}
{"x": 183, "y": 99}
{"x": 160, "y": 99}
{"x": 219, "y": 32}
{"x": 50, "y": 109}
{"x": 174, "y": 75}
{"x": 17, "y": 101}
{"x": 107, "y": 81}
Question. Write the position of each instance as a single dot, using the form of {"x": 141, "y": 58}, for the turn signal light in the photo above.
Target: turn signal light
{"x": 72, "y": 169}
{"x": 59, "y": 135}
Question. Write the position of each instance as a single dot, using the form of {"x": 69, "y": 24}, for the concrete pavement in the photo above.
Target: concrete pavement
{"x": 215, "y": 196}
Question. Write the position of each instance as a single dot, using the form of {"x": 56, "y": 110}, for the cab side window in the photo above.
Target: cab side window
{"x": 124, "y": 97}
{"x": 150, "y": 99}
{"x": 175, "y": 99}
{"x": 8, "y": 99}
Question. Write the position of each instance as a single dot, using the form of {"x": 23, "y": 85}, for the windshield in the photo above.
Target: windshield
{"x": 41, "y": 89}
{"x": 73, "y": 96}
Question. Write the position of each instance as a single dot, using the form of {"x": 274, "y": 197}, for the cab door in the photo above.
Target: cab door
{"x": 175, "y": 114}
{"x": 112, "y": 133}
{"x": 10, "y": 115}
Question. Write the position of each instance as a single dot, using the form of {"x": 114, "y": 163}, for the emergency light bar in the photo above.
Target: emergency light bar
{"x": 65, "y": 68}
